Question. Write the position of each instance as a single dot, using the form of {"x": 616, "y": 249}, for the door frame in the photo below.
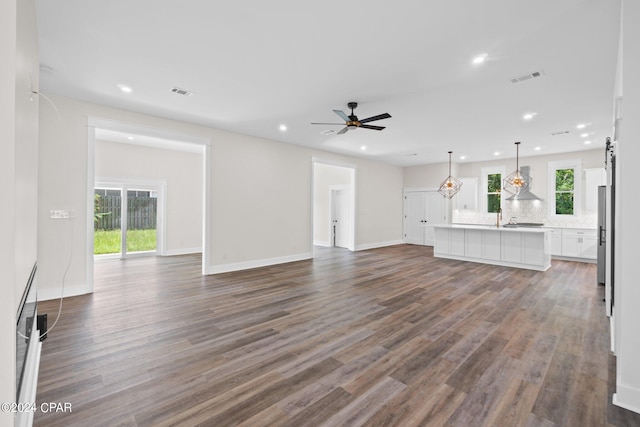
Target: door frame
{"x": 125, "y": 184}
{"x": 352, "y": 199}
{"x": 203, "y": 146}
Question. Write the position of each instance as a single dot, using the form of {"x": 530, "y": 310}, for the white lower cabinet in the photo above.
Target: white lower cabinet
{"x": 533, "y": 249}
{"x": 456, "y": 242}
{"x": 473, "y": 243}
{"x": 556, "y": 241}
{"x": 492, "y": 244}
{"x": 442, "y": 241}
{"x": 512, "y": 247}
{"x": 578, "y": 243}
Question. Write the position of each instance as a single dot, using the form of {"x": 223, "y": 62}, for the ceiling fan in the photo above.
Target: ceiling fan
{"x": 352, "y": 122}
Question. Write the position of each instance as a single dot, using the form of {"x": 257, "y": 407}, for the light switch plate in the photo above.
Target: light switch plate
{"x": 59, "y": 214}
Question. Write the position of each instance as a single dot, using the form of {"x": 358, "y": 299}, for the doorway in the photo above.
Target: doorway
{"x": 340, "y": 223}
{"x": 168, "y": 240}
{"x": 128, "y": 219}
{"x": 333, "y": 190}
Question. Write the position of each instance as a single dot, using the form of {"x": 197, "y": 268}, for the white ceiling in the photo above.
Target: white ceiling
{"x": 254, "y": 65}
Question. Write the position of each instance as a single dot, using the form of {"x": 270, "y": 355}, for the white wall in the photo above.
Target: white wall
{"x": 324, "y": 177}
{"x": 627, "y": 286}
{"x": 7, "y": 216}
{"x": 182, "y": 172}
{"x": 428, "y": 176}
{"x": 18, "y": 168}
{"x": 260, "y": 194}
{"x": 378, "y": 204}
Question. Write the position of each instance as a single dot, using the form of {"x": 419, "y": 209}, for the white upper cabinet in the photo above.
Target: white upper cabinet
{"x": 467, "y": 197}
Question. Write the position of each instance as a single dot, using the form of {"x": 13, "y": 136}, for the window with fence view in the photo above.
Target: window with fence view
{"x": 141, "y": 219}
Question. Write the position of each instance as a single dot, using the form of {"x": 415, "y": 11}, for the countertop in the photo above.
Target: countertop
{"x": 494, "y": 228}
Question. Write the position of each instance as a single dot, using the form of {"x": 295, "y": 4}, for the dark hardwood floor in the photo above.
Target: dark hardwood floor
{"x": 383, "y": 337}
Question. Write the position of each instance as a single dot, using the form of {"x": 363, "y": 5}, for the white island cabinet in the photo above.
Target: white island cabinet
{"x": 512, "y": 247}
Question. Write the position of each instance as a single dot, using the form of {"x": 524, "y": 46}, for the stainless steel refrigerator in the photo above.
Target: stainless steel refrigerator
{"x": 602, "y": 233}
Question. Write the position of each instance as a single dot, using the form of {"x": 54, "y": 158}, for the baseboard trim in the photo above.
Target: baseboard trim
{"x": 246, "y": 265}
{"x": 569, "y": 258}
{"x": 183, "y": 251}
{"x": 69, "y": 291}
{"x": 378, "y": 245}
{"x": 321, "y": 243}
{"x": 627, "y": 398}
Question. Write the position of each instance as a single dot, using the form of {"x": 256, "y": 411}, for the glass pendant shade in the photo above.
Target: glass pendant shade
{"x": 451, "y": 185}
{"x": 515, "y": 182}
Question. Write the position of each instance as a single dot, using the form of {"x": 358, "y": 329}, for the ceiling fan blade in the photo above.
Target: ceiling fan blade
{"x": 344, "y": 130}
{"x": 342, "y": 115}
{"x": 374, "y": 118}
{"x": 339, "y": 124}
{"x": 371, "y": 127}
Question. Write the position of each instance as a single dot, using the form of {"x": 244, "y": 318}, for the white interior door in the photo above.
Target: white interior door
{"x": 341, "y": 229}
{"x": 434, "y": 215}
{"x": 414, "y": 218}
{"x": 422, "y": 211}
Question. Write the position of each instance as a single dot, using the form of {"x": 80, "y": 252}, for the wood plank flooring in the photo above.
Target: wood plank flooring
{"x": 384, "y": 337}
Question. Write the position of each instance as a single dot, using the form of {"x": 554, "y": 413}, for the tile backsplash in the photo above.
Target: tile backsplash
{"x": 525, "y": 211}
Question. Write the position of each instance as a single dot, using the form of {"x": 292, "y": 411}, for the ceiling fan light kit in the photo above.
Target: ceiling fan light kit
{"x": 451, "y": 185}
{"x": 351, "y": 121}
{"x": 516, "y": 182}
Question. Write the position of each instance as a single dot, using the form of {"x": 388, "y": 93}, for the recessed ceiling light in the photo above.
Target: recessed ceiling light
{"x": 529, "y": 116}
{"x": 497, "y": 153}
{"x": 581, "y": 126}
{"x": 283, "y": 127}
{"x": 537, "y": 148}
{"x": 587, "y": 142}
{"x": 463, "y": 157}
{"x": 125, "y": 88}
{"x": 584, "y": 135}
{"x": 480, "y": 59}
{"x": 363, "y": 147}
{"x": 130, "y": 138}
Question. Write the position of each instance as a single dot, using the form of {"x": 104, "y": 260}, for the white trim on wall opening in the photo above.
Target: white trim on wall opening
{"x": 552, "y": 167}
{"x": 178, "y": 141}
{"x": 352, "y": 186}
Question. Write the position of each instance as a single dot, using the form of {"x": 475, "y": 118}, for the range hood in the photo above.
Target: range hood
{"x": 524, "y": 194}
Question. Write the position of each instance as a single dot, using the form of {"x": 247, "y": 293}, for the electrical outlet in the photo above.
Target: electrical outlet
{"x": 59, "y": 214}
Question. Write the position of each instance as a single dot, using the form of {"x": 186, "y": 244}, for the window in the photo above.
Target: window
{"x": 564, "y": 187}
{"x": 494, "y": 187}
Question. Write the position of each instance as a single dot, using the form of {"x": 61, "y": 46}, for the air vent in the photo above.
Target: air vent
{"x": 328, "y": 132}
{"x": 526, "y": 77}
{"x": 562, "y": 132}
{"x": 182, "y": 92}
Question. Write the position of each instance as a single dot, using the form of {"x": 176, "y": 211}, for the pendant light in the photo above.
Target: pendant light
{"x": 450, "y": 186}
{"x": 516, "y": 182}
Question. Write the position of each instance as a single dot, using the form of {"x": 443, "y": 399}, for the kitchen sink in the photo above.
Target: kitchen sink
{"x": 524, "y": 224}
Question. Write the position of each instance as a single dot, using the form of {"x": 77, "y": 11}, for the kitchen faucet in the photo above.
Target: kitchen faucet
{"x": 498, "y": 217}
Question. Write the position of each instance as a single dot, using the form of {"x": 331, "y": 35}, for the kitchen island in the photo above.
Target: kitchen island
{"x": 520, "y": 247}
